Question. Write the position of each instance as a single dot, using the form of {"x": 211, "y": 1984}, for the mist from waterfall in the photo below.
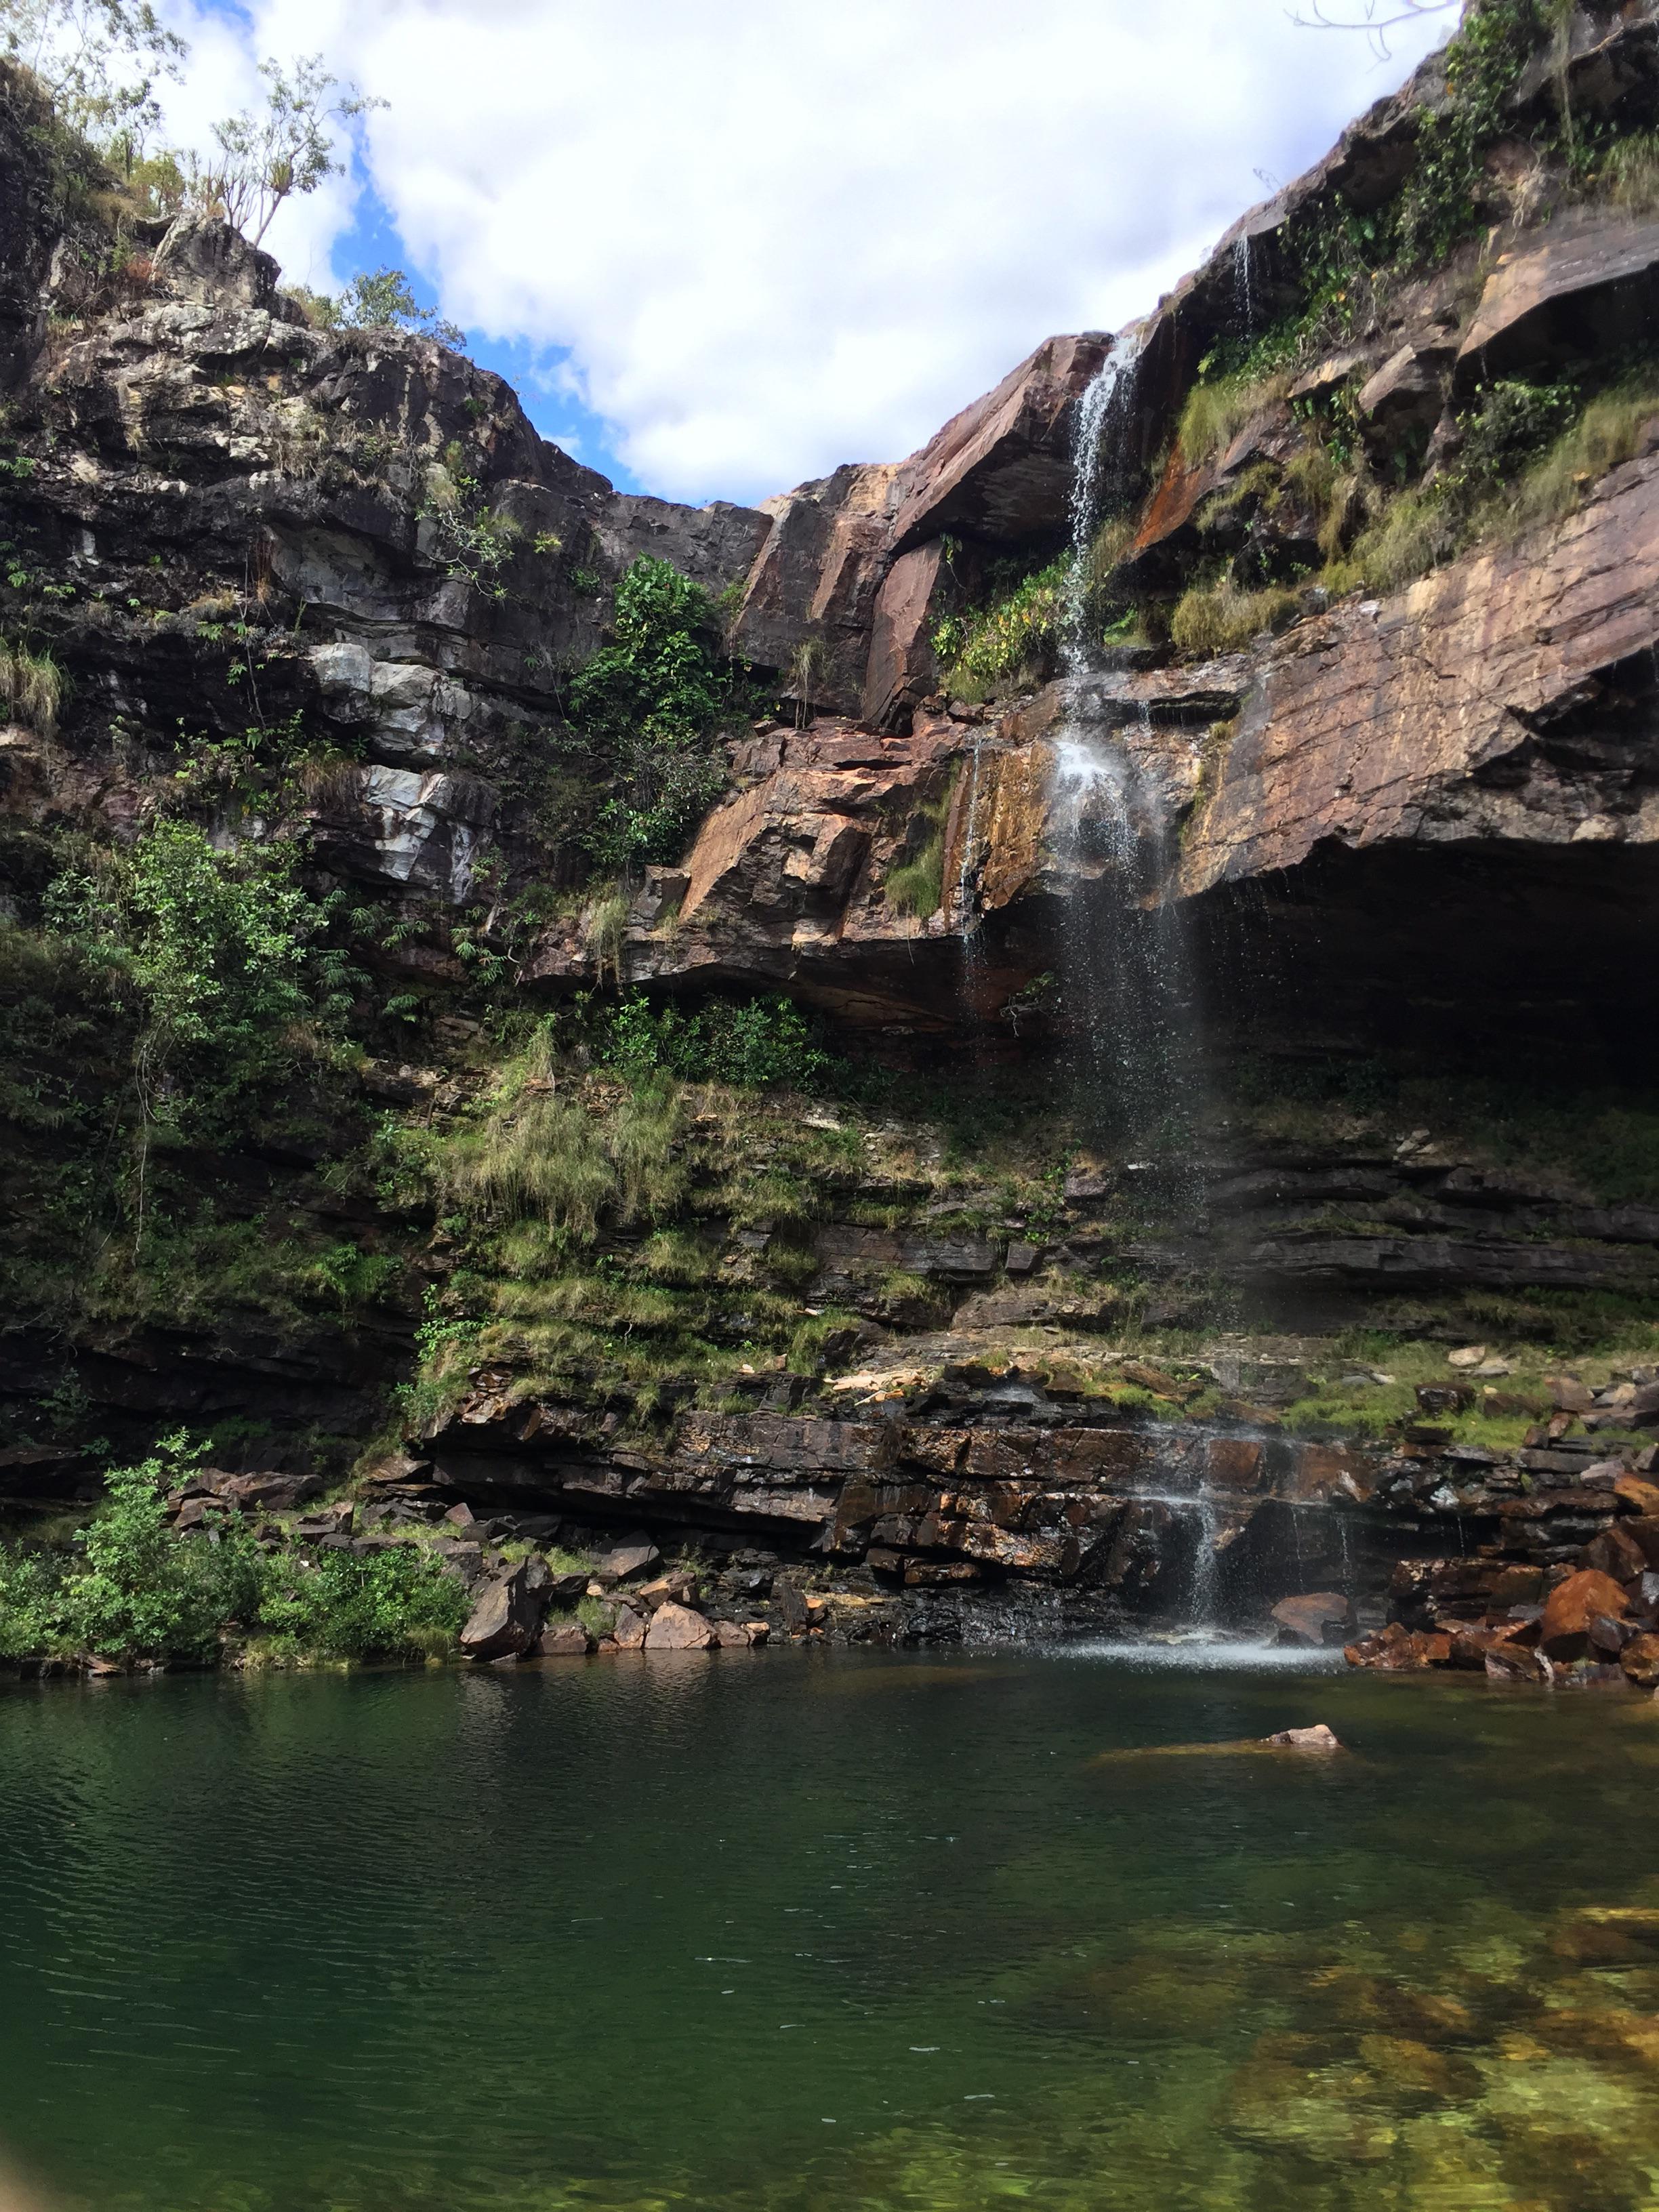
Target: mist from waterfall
{"x": 1126, "y": 974}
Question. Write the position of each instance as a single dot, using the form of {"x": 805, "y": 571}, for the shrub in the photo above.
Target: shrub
{"x": 1010, "y": 637}
{"x": 651, "y": 705}
{"x": 916, "y": 885}
{"x": 1608, "y": 433}
{"x": 341, "y": 1606}
{"x": 535, "y": 1152}
{"x": 752, "y": 1046}
{"x": 137, "y": 1591}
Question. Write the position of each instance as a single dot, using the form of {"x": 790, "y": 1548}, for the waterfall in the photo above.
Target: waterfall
{"x": 1201, "y": 1604}
{"x": 1242, "y": 281}
{"x": 1128, "y": 976}
{"x": 966, "y": 916}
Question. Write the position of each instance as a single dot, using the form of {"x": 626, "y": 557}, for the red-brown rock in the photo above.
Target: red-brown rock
{"x": 1570, "y": 1608}
{"x": 677, "y": 1628}
{"x": 568, "y": 1640}
{"x": 1318, "y": 1619}
{"x": 1591, "y": 285}
{"x": 1640, "y": 1660}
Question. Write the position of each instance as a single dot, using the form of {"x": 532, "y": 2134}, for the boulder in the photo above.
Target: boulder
{"x": 1572, "y": 1606}
{"x": 569, "y": 1639}
{"x": 1640, "y": 1495}
{"x": 1590, "y": 286}
{"x": 508, "y": 1617}
{"x": 1000, "y": 471}
{"x": 677, "y": 1628}
{"x": 1316, "y": 1738}
{"x": 1402, "y": 404}
{"x": 732, "y": 1636}
{"x": 1514, "y": 1662}
{"x": 1615, "y": 1551}
{"x": 1399, "y": 1650}
{"x": 1321, "y": 1617}
{"x": 626, "y": 1561}
{"x": 1640, "y": 1660}
{"x": 680, "y": 1587}
{"x": 629, "y": 1629}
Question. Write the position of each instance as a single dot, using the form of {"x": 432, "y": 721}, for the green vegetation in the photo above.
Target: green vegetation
{"x": 135, "y": 1589}
{"x": 651, "y": 707}
{"x": 915, "y": 884}
{"x": 379, "y": 300}
{"x": 1219, "y": 617}
{"x": 31, "y": 688}
{"x": 1010, "y": 639}
{"x": 754, "y": 1045}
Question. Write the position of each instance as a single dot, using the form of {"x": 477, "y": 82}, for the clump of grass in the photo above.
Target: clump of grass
{"x": 603, "y": 926}
{"x": 1414, "y": 534}
{"x": 32, "y": 687}
{"x": 1608, "y": 433}
{"x": 1216, "y": 412}
{"x": 1630, "y": 173}
{"x": 916, "y": 885}
{"x": 641, "y": 1138}
{"x": 1220, "y": 617}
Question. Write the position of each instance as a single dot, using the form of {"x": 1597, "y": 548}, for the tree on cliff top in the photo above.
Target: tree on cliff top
{"x": 98, "y": 59}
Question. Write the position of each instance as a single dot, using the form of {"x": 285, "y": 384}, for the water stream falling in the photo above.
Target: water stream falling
{"x": 1128, "y": 975}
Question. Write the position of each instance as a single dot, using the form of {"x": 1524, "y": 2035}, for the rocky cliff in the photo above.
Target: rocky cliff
{"x": 766, "y": 1190}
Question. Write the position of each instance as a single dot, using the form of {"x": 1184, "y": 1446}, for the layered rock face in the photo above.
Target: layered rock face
{"x": 1416, "y": 821}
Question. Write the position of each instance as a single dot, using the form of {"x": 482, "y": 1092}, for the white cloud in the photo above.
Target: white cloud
{"x": 775, "y": 236}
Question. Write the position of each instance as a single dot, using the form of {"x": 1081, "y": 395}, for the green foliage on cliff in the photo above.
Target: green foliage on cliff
{"x": 1010, "y": 637}
{"x": 221, "y": 961}
{"x": 135, "y": 1589}
{"x": 651, "y": 706}
{"x": 755, "y": 1044}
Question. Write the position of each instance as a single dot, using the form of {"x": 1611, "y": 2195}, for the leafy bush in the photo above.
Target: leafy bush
{"x": 223, "y": 957}
{"x": 137, "y": 1591}
{"x": 1010, "y": 637}
{"x": 752, "y": 1046}
{"x": 1440, "y": 203}
{"x": 341, "y": 1606}
{"x": 383, "y": 300}
{"x": 651, "y": 705}
{"x": 916, "y": 885}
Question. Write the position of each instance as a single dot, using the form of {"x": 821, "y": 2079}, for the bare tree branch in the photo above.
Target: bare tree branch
{"x": 1376, "y": 18}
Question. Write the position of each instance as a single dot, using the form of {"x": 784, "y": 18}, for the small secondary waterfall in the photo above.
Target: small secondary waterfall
{"x": 1126, "y": 974}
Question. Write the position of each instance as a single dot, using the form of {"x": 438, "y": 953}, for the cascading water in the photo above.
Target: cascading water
{"x": 1128, "y": 975}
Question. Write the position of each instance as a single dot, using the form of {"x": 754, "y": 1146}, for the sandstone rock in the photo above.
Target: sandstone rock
{"x": 1509, "y": 1662}
{"x": 1000, "y": 471}
{"x": 629, "y": 1629}
{"x": 681, "y": 1587}
{"x": 1569, "y": 1395}
{"x": 757, "y": 1631}
{"x": 1316, "y": 1738}
{"x": 1639, "y": 1657}
{"x": 1570, "y": 1608}
{"x": 628, "y": 1560}
{"x": 677, "y": 1628}
{"x": 1616, "y": 1553}
{"x": 508, "y": 1617}
{"x": 1402, "y": 404}
{"x": 1588, "y": 287}
{"x": 1471, "y": 1356}
{"x": 568, "y": 1640}
{"x": 732, "y": 1636}
{"x": 1398, "y": 1650}
{"x": 1319, "y": 1619}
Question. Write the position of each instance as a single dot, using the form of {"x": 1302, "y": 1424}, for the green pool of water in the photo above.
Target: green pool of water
{"x": 800, "y": 1930}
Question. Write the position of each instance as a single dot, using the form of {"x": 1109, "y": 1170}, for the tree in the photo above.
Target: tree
{"x": 266, "y": 154}
{"x": 383, "y": 301}
{"x": 1376, "y": 18}
{"x": 98, "y": 59}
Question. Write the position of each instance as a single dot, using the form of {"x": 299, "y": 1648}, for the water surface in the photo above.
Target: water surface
{"x": 788, "y": 1931}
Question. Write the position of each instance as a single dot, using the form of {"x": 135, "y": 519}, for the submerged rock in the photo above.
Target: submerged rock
{"x": 1319, "y": 1737}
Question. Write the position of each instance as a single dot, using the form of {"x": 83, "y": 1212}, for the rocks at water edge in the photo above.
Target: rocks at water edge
{"x": 677, "y": 1628}
{"x": 508, "y": 1618}
{"x": 1321, "y": 1618}
{"x": 1316, "y": 1738}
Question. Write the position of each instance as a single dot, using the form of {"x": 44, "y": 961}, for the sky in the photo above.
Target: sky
{"x": 721, "y": 249}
